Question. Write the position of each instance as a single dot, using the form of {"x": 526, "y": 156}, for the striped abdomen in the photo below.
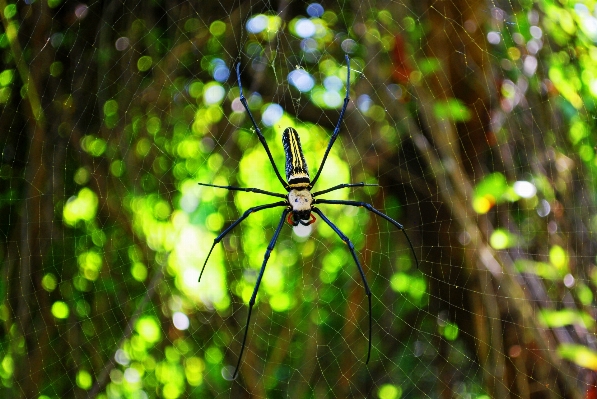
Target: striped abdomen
{"x": 297, "y": 173}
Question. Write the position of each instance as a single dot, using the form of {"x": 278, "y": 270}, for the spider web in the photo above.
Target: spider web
{"x": 471, "y": 120}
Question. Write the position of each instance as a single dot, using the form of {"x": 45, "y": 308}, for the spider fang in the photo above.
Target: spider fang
{"x": 290, "y": 221}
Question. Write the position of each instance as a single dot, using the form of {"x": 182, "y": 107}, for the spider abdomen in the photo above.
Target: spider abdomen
{"x": 297, "y": 173}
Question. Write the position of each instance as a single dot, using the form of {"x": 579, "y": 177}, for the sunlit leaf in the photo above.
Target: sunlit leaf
{"x": 452, "y": 109}
{"x": 489, "y": 191}
{"x": 217, "y": 28}
{"x": 389, "y": 391}
{"x": 541, "y": 269}
{"x": 49, "y": 282}
{"x": 95, "y": 146}
{"x": 84, "y": 379}
{"x": 214, "y": 355}
{"x": 417, "y": 288}
{"x": 6, "y": 77}
{"x": 60, "y": 310}
{"x": 144, "y": 63}
{"x": 110, "y": 107}
{"x": 148, "y": 328}
{"x": 7, "y": 366}
{"x": 502, "y": 239}
{"x": 585, "y": 295}
{"x": 82, "y": 207}
{"x": 559, "y": 258}
{"x": 429, "y": 65}
{"x": 400, "y": 282}
{"x": 580, "y": 355}
{"x": 564, "y": 317}
{"x": 194, "y": 367}
{"x": 450, "y": 331}
{"x": 90, "y": 264}
{"x": 280, "y": 302}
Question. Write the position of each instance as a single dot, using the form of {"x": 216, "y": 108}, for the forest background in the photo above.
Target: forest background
{"x": 473, "y": 118}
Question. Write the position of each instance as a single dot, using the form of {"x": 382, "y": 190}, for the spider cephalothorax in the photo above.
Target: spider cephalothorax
{"x": 299, "y": 203}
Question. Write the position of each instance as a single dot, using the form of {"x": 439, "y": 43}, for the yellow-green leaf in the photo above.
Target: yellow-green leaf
{"x": 580, "y": 355}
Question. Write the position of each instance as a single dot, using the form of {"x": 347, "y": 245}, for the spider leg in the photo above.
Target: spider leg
{"x": 243, "y": 100}
{"x": 270, "y": 247}
{"x": 339, "y": 186}
{"x": 337, "y": 129}
{"x": 248, "y": 189}
{"x": 356, "y": 260}
{"x": 233, "y": 225}
{"x": 372, "y": 209}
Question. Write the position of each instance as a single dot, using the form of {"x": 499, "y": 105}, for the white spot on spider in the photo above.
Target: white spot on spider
{"x": 302, "y": 231}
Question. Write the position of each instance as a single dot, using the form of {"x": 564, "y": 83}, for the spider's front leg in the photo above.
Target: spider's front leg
{"x": 243, "y": 101}
{"x": 370, "y": 208}
{"x": 337, "y": 128}
{"x": 343, "y": 185}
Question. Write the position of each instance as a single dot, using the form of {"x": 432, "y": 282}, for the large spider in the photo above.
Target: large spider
{"x": 299, "y": 203}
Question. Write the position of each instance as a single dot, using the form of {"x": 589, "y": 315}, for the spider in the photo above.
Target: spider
{"x": 299, "y": 203}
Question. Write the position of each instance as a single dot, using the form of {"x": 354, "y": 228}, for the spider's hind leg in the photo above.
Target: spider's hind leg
{"x": 236, "y": 223}
{"x": 270, "y": 248}
{"x": 356, "y": 260}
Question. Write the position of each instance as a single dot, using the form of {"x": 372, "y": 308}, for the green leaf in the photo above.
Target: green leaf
{"x": 541, "y": 269}
{"x": 450, "y": 331}
{"x": 489, "y": 191}
{"x": 84, "y": 379}
{"x": 60, "y": 310}
{"x": 429, "y": 65}
{"x": 559, "y": 258}
{"x": 564, "y": 317}
{"x": 6, "y": 77}
{"x": 502, "y": 239}
{"x": 580, "y": 355}
{"x": 149, "y": 329}
{"x": 389, "y": 391}
{"x": 144, "y": 63}
{"x": 452, "y": 109}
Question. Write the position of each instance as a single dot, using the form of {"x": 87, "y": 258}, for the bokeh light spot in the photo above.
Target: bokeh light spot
{"x": 315, "y": 10}
{"x": 304, "y": 28}
{"x": 389, "y": 391}
{"x": 213, "y": 94}
{"x": 60, "y": 310}
{"x": 257, "y": 23}
{"x": 84, "y": 379}
{"x": 148, "y": 328}
{"x": 525, "y": 189}
{"x": 272, "y": 114}
{"x": 180, "y": 320}
{"x": 301, "y": 79}
{"x": 144, "y": 63}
